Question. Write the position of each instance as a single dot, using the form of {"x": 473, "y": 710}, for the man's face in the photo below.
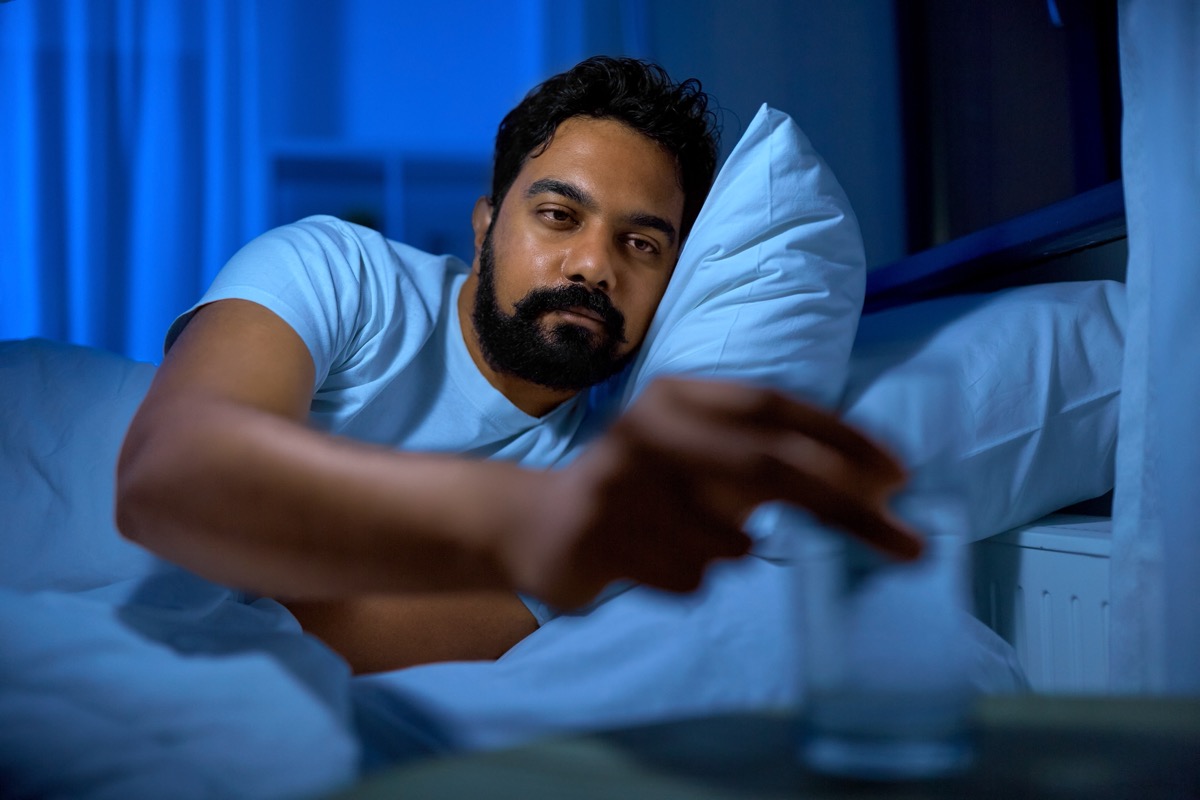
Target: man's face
{"x": 574, "y": 263}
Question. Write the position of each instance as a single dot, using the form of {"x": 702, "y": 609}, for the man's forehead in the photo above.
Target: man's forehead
{"x": 586, "y": 152}
{"x": 582, "y": 125}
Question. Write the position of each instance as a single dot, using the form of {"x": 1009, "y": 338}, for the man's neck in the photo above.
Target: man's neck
{"x": 534, "y": 399}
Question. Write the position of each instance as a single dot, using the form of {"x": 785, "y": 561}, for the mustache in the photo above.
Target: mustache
{"x": 563, "y": 298}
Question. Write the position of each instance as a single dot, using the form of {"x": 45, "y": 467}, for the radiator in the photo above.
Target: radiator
{"x": 1044, "y": 588}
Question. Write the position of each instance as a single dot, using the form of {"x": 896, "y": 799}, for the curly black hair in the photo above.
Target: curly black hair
{"x": 637, "y": 93}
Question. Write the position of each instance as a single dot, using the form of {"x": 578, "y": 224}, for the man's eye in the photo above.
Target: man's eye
{"x": 557, "y": 215}
{"x": 643, "y": 245}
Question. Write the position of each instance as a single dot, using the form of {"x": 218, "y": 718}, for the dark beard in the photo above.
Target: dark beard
{"x": 565, "y": 358}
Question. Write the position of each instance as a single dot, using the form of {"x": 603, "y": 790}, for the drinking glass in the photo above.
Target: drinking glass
{"x": 886, "y": 688}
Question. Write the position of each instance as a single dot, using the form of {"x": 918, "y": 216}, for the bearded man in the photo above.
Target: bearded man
{"x": 367, "y": 432}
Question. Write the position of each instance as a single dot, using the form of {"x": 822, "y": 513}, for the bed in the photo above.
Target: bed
{"x": 122, "y": 674}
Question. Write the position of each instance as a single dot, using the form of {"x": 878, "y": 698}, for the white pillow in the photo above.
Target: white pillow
{"x": 770, "y": 282}
{"x": 768, "y": 288}
{"x": 1035, "y": 378}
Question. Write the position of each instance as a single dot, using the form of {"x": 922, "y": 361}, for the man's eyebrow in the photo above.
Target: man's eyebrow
{"x": 574, "y": 193}
{"x": 655, "y": 222}
{"x": 567, "y": 190}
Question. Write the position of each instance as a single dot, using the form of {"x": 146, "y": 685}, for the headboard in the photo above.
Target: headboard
{"x": 1080, "y": 238}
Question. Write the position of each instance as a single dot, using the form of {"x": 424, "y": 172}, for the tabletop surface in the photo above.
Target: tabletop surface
{"x": 1030, "y": 746}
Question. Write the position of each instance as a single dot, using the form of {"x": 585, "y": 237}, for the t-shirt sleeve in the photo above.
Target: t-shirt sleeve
{"x": 339, "y": 286}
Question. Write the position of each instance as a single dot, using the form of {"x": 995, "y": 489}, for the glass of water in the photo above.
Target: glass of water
{"x": 886, "y": 686}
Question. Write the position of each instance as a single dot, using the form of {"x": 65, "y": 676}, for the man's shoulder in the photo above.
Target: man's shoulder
{"x": 353, "y": 252}
{"x": 341, "y": 234}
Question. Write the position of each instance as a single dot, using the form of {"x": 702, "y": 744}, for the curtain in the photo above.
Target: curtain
{"x": 129, "y": 163}
{"x": 1156, "y": 531}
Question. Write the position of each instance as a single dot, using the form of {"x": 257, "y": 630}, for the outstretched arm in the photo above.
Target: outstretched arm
{"x": 220, "y": 473}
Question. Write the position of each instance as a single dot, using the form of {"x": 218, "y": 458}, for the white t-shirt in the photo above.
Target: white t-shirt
{"x": 381, "y": 322}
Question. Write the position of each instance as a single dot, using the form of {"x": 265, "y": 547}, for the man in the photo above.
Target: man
{"x": 304, "y": 436}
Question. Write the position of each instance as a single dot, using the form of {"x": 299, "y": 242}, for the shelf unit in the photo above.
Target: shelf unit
{"x": 423, "y": 200}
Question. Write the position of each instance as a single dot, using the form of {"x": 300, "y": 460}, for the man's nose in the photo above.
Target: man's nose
{"x": 590, "y": 260}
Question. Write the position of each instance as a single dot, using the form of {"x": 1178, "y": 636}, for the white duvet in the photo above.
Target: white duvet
{"x": 189, "y": 691}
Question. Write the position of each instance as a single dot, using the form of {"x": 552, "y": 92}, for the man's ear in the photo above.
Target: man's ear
{"x": 481, "y": 220}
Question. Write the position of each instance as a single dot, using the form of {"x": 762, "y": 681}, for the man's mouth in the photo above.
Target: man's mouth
{"x": 579, "y": 313}
{"x": 575, "y": 306}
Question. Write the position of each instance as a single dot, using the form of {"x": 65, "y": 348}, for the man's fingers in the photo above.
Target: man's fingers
{"x": 866, "y": 519}
{"x": 720, "y": 538}
{"x": 687, "y": 407}
{"x": 847, "y": 441}
{"x": 665, "y": 492}
{"x": 746, "y": 445}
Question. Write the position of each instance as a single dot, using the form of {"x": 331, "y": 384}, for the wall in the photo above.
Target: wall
{"x": 434, "y": 80}
{"x": 434, "y": 77}
{"x": 830, "y": 64}
{"x": 385, "y": 113}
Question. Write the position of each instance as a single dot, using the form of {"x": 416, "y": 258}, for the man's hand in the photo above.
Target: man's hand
{"x": 666, "y": 490}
